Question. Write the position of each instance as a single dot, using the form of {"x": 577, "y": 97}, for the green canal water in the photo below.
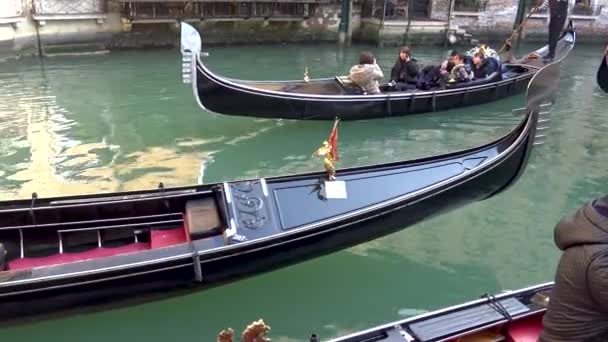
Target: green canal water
{"x": 125, "y": 121}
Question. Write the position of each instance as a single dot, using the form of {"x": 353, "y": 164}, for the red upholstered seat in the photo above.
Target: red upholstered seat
{"x": 526, "y": 330}
{"x": 167, "y": 237}
{"x": 65, "y": 258}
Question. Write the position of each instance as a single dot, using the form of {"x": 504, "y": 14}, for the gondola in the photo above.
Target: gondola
{"x": 323, "y": 99}
{"x": 510, "y": 316}
{"x": 98, "y": 248}
{"x": 602, "y": 75}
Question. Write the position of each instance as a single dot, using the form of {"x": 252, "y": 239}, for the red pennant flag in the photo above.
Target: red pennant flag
{"x": 333, "y": 141}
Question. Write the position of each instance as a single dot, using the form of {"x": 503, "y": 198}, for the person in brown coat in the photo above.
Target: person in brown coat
{"x": 578, "y": 305}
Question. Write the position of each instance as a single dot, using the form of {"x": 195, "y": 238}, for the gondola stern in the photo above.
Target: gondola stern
{"x": 540, "y": 95}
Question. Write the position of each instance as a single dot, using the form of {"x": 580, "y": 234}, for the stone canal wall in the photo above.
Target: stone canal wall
{"x": 99, "y": 25}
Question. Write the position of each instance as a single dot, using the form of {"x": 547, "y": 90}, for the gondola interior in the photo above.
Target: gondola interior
{"x": 64, "y": 230}
{"x": 342, "y": 85}
{"x": 70, "y": 232}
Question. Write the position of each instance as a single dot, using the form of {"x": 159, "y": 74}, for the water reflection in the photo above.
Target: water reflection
{"x": 124, "y": 121}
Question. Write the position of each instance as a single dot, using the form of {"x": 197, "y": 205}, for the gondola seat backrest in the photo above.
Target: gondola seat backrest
{"x": 202, "y": 218}
{"x": 349, "y": 86}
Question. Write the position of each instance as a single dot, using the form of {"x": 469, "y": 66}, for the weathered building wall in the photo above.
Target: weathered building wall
{"x": 54, "y": 24}
{"x": 495, "y": 21}
{"x": 321, "y": 24}
{"x": 439, "y": 9}
{"x": 79, "y": 23}
{"x": 368, "y": 32}
{"x": 591, "y": 29}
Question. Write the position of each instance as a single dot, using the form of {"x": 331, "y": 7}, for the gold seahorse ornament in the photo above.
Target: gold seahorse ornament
{"x": 328, "y": 161}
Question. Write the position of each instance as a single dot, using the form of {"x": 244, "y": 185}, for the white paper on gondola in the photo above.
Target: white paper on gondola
{"x": 335, "y": 189}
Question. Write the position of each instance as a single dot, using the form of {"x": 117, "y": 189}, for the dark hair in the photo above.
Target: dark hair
{"x": 479, "y": 54}
{"x": 405, "y": 50}
{"x": 458, "y": 56}
{"x": 453, "y": 53}
{"x": 450, "y": 66}
{"x": 366, "y": 58}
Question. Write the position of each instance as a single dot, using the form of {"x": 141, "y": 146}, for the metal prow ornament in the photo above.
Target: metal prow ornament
{"x": 329, "y": 151}
{"x": 328, "y": 161}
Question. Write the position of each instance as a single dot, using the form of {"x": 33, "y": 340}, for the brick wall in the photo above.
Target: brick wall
{"x": 494, "y": 23}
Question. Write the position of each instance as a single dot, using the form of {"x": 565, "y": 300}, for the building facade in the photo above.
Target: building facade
{"x": 143, "y": 23}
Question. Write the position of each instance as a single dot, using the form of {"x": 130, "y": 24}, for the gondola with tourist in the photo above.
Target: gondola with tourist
{"x": 98, "y": 248}
{"x": 322, "y": 99}
{"x": 514, "y": 316}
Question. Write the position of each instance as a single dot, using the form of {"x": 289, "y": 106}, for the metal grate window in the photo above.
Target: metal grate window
{"x": 470, "y": 5}
{"x": 219, "y": 9}
{"x": 69, "y": 6}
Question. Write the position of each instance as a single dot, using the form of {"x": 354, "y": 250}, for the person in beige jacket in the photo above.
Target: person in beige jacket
{"x": 367, "y": 73}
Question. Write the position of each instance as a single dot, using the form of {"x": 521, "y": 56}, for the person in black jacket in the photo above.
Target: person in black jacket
{"x": 558, "y": 10}
{"x": 484, "y": 66}
{"x": 578, "y": 304}
{"x": 404, "y": 73}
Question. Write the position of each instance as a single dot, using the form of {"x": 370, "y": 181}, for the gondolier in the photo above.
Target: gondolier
{"x": 558, "y": 11}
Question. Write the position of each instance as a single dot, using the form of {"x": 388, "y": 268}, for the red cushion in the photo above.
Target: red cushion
{"x": 169, "y": 237}
{"x": 65, "y": 258}
{"x": 526, "y": 330}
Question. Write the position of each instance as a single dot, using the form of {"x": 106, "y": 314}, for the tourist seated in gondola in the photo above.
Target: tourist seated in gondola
{"x": 367, "y": 73}
{"x": 466, "y": 59}
{"x": 404, "y": 73}
{"x": 459, "y": 73}
{"x": 484, "y": 66}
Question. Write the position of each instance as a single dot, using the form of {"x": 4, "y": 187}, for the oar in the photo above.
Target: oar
{"x": 517, "y": 30}
{"x": 602, "y": 72}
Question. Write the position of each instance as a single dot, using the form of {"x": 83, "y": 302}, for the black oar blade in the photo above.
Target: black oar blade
{"x": 602, "y": 75}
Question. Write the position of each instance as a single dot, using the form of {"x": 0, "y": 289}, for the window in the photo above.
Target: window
{"x": 470, "y": 5}
{"x": 586, "y": 7}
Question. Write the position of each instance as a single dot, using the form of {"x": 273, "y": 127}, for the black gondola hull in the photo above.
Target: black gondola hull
{"x": 602, "y": 75}
{"x": 147, "y": 282}
{"x": 223, "y": 99}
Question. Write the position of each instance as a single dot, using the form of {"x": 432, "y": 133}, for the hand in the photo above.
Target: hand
{"x": 407, "y": 58}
